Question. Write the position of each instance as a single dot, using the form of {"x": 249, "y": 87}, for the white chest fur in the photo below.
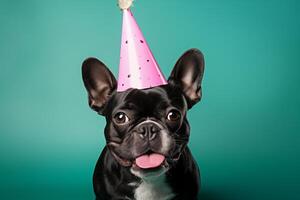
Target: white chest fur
{"x": 154, "y": 189}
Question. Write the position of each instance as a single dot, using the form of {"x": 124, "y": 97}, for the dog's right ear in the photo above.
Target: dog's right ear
{"x": 99, "y": 82}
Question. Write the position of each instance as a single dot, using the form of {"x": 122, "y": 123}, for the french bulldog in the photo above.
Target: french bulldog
{"x": 146, "y": 156}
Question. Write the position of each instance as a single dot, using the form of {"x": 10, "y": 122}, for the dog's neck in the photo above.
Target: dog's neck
{"x": 153, "y": 188}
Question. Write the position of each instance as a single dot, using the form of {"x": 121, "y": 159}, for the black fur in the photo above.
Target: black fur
{"x": 112, "y": 173}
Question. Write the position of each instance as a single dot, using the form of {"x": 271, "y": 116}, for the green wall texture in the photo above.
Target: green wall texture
{"x": 245, "y": 131}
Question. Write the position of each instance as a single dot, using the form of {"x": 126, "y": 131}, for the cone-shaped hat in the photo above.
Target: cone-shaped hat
{"x": 138, "y": 67}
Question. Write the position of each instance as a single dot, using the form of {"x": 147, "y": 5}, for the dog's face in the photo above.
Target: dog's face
{"x": 146, "y": 129}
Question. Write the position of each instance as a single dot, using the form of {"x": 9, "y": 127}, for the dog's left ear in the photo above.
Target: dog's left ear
{"x": 187, "y": 74}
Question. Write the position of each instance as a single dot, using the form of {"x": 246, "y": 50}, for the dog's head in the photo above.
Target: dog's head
{"x": 146, "y": 129}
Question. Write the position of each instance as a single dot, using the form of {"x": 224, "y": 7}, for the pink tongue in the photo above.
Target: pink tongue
{"x": 149, "y": 161}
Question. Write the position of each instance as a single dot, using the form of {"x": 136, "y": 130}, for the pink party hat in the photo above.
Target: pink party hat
{"x": 138, "y": 67}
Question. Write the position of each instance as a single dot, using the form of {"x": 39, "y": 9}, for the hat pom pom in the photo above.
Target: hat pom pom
{"x": 125, "y": 4}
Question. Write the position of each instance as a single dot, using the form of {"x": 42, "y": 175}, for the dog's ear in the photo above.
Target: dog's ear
{"x": 187, "y": 74}
{"x": 99, "y": 82}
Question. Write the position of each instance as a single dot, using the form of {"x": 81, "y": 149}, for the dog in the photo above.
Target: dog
{"x": 146, "y": 156}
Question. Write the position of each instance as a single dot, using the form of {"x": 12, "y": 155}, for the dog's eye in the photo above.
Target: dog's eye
{"x": 121, "y": 118}
{"x": 173, "y": 115}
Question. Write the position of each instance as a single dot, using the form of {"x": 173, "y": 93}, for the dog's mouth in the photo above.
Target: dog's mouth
{"x": 147, "y": 161}
{"x": 149, "y": 165}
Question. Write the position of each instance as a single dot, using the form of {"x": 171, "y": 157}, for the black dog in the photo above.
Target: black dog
{"x": 146, "y": 156}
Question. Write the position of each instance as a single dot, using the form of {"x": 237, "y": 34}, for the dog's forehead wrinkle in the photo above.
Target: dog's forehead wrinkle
{"x": 147, "y": 95}
{"x": 135, "y": 99}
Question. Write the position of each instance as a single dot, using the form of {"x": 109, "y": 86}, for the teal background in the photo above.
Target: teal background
{"x": 245, "y": 131}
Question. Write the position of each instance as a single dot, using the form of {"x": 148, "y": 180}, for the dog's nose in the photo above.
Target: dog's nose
{"x": 148, "y": 130}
